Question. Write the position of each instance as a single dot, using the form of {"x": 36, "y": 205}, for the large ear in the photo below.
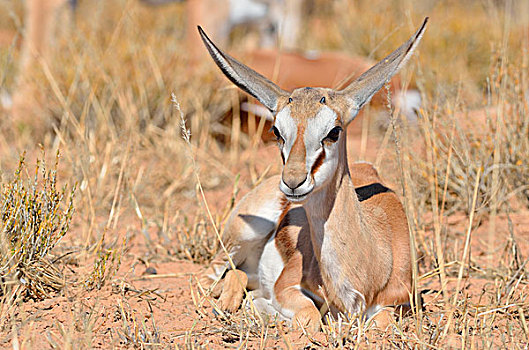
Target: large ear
{"x": 244, "y": 77}
{"x": 360, "y": 91}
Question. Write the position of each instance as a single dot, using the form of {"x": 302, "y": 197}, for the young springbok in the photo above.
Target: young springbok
{"x": 320, "y": 231}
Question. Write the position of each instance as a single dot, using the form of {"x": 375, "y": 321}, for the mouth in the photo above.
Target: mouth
{"x": 297, "y": 197}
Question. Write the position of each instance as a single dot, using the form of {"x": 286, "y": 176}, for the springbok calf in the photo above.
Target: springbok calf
{"x": 319, "y": 231}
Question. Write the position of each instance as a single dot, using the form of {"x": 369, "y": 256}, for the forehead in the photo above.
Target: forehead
{"x": 306, "y": 103}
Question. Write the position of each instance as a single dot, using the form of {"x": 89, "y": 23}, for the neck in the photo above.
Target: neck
{"x": 338, "y": 230}
{"x": 336, "y": 198}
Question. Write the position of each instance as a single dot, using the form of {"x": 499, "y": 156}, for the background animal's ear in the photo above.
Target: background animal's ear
{"x": 244, "y": 77}
{"x": 360, "y": 91}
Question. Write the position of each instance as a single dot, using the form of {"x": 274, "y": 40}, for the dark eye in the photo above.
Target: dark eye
{"x": 333, "y": 134}
{"x": 276, "y": 132}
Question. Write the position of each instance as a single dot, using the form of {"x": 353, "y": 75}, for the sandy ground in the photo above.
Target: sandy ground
{"x": 159, "y": 309}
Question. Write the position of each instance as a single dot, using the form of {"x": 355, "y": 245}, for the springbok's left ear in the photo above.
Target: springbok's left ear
{"x": 360, "y": 91}
{"x": 244, "y": 77}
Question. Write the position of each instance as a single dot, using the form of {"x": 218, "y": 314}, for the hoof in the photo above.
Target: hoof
{"x": 233, "y": 290}
{"x": 230, "y": 301}
{"x": 382, "y": 320}
{"x": 307, "y": 318}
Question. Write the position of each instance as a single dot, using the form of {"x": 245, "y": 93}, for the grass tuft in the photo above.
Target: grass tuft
{"x": 106, "y": 264}
{"x": 35, "y": 216}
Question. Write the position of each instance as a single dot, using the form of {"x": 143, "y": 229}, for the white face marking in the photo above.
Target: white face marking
{"x": 317, "y": 129}
{"x": 287, "y": 128}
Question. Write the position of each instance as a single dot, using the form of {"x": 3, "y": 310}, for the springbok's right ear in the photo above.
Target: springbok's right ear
{"x": 360, "y": 91}
{"x": 244, "y": 77}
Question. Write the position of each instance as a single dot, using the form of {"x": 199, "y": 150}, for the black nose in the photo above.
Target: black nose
{"x": 293, "y": 184}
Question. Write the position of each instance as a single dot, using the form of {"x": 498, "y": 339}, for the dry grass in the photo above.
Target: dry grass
{"x": 106, "y": 98}
{"x": 493, "y": 140}
{"x": 35, "y": 216}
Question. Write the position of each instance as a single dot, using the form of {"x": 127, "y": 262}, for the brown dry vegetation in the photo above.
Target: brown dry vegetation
{"x": 106, "y": 106}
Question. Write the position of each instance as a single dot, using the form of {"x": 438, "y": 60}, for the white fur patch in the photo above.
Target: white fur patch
{"x": 260, "y": 221}
{"x": 372, "y": 311}
{"x": 287, "y": 128}
{"x": 409, "y": 103}
{"x": 267, "y": 307}
{"x": 258, "y": 110}
{"x": 270, "y": 267}
{"x": 6, "y": 101}
{"x": 242, "y": 11}
{"x": 318, "y": 127}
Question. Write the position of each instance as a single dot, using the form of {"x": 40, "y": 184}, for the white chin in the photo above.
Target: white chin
{"x": 300, "y": 194}
{"x": 296, "y": 199}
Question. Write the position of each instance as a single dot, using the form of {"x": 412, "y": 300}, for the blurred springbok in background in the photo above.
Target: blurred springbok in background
{"x": 273, "y": 18}
{"x": 279, "y": 23}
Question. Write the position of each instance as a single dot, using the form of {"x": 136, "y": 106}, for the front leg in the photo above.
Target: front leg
{"x": 289, "y": 295}
{"x": 248, "y": 228}
{"x": 217, "y": 270}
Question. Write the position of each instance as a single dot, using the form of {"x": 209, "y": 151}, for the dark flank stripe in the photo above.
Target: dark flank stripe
{"x": 318, "y": 162}
{"x": 368, "y": 191}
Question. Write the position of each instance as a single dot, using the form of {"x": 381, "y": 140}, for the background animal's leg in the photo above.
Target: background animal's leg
{"x": 40, "y": 25}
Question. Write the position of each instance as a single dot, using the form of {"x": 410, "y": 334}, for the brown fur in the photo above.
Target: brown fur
{"x": 294, "y": 171}
{"x": 318, "y": 163}
{"x": 301, "y": 266}
{"x": 293, "y": 70}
